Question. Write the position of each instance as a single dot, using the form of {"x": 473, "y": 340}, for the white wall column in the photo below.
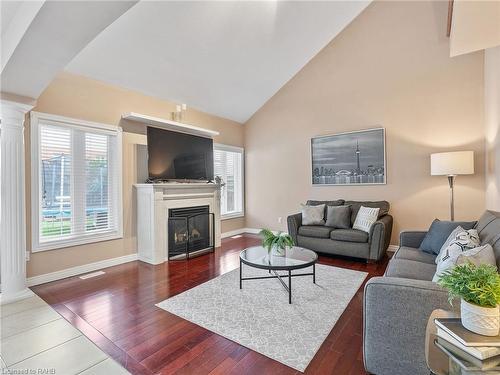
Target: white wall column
{"x": 12, "y": 202}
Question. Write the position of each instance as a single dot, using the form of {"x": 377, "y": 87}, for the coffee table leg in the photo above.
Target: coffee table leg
{"x": 314, "y": 273}
{"x": 290, "y": 287}
{"x": 240, "y": 274}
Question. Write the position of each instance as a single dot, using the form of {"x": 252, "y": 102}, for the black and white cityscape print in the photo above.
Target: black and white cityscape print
{"x": 349, "y": 158}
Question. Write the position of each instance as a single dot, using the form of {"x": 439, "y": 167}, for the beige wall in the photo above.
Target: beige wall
{"x": 492, "y": 120}
{"x": 475, "y": 26}
{"x": 390, "y": 67}
{"x": 82, "y": 98}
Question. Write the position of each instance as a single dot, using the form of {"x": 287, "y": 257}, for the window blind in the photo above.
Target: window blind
{"x": 79, "y": 180}
{"x": 228, "y": 165}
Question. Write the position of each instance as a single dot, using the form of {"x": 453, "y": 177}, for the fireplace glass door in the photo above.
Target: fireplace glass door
{"x": 190, "y": 229}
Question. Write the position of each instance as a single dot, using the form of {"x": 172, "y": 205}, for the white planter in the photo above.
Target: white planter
{"x": 278, "y": 251}
{"x": 482, "y": 320}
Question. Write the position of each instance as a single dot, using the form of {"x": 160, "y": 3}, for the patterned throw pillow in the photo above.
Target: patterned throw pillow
{"x": 478, "y": 255}
{"x": 464, "y": 241}
{"x": 365, "y": 218}
{"x": 313, "y": 215}
{"x": 447, "y": 243}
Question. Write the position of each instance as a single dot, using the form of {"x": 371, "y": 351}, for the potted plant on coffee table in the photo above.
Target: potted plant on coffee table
{"x": 478, "y": 287}
{"x": 276, "y": 243}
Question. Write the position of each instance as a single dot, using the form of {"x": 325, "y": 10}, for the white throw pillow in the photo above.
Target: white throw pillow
{"x": 450, "y": 238}
{"x": 464, "y": 246}
{"x": 365, "y": 218}
{"x": 313, "y": 215}
{"x": 478, "y": 255}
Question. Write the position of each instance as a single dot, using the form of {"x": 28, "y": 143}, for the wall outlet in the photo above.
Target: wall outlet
{"x": 280, "y": 219}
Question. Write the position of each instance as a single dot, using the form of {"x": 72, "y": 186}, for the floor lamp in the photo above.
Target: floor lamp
{"x": 452, "y": 164}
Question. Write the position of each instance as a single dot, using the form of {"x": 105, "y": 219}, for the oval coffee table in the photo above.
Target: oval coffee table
{"x": 295, "y": 258}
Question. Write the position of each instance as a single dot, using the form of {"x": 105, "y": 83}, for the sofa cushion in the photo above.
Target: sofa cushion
{"x": 338, "y": 217}
{"x": 488, "y": 228}
{"x": 439, "y": 231}
{"x": 338, "y": 202}
{"x": 318, "y": 231}
{"x": 349, "y": 235}
{"x": 356, "y": 205}
{"x": 313, "y": 215}
{"x": 410, "y": 269}
{"x": 411, "y": 253}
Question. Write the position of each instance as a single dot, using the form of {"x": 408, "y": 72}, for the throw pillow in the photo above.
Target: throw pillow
{"x": 478, "y": 255}
{"x": 450, "y": 238}
{"x": 439, "y": 232}
{"x": 365, "y": 218}
{"x": 313, "y": 215}
{"x": 338, "y": 217}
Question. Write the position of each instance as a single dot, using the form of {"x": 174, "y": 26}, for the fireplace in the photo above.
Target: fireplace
{"x": 190, "y": 230}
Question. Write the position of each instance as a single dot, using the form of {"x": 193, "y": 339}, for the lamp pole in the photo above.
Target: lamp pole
{"x": 451, "y": 182}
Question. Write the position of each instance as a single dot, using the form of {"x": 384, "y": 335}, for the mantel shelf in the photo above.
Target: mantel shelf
{"x": 170, "y": 125}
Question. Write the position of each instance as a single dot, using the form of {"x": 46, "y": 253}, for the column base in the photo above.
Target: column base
{"x": 10, "y": 298}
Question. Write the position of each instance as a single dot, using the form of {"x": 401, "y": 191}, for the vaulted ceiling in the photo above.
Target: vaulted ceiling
{"x": 225, "y": 58}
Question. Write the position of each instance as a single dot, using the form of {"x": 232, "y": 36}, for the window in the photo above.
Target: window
{"x": 76, "y": 182}
{"x": 228, "y": 165}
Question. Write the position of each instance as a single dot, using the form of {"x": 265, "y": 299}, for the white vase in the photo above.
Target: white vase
{"x": 278, "y": 251}
{"x": 482, "y": 320}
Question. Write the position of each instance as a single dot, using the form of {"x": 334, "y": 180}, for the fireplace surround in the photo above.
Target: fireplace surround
{"x": 158, "y": 202}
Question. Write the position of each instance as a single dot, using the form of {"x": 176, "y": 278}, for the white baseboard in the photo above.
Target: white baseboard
{"x": 232, "y": 233}
{"x": 392, "y": 248}
{"x": 73, "y": 271}
{"x": 243, "y": 230}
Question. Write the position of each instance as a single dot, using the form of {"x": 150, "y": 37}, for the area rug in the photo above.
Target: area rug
{"x": 259, "y": 316}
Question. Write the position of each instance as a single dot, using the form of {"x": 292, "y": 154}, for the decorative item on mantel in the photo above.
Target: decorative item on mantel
{"x": 276, "y": 244}
{"x": 479, "y": 290}
{"x": 180, "y": 110}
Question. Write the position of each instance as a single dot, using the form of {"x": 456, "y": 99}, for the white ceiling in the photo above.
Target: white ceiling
{"x": 8, "y": 10}
{"x": 225, "y": 58}
{"x": 41, "y": 37}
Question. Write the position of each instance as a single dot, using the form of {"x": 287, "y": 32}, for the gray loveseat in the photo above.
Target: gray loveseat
{"x": 398, "y": 305}
{"x": 347, "y": 242}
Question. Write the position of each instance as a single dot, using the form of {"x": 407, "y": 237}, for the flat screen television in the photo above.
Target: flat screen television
{"x": 179, "y": 156}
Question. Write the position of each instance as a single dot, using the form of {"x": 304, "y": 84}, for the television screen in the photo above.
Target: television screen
{"x": 179, "y": 156}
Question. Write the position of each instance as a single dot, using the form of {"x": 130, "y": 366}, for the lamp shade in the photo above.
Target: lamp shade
{"x": 452, "y": 163}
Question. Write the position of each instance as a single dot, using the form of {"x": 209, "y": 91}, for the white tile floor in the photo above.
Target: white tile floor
{"x": 34, "y": 337}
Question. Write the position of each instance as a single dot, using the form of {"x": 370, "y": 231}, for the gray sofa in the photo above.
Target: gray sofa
{"x": 347, "y": 242}
{"x": 398, "y": 305}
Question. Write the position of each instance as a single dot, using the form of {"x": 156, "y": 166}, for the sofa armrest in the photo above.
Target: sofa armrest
{"x": 380, "y": 237}
{"x": 395, "y": 313}
{"x": 411, "y": 238}
{"x": 294, "y": 223}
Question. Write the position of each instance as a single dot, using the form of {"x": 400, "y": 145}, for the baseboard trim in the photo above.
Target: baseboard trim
{"x": 74, "y": 271}
{"x": 243, "y": 230}
{"x": 232, "y": 233}
{"x": 392, "y": 248}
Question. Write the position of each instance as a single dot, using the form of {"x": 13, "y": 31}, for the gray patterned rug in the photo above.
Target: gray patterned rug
{"x": 259, "y": 316}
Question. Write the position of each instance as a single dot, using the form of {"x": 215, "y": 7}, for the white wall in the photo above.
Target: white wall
{"x": 492, "y": 119}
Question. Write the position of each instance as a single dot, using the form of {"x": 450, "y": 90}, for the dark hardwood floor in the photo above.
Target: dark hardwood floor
{"x": 117, "y": 312}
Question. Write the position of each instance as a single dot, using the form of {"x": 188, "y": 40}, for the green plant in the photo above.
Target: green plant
{"x": 280, "y": 240}
{"x": 479, "y": 285}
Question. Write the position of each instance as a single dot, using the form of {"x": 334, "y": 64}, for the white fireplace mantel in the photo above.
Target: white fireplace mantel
{"x": 153, "y": 204}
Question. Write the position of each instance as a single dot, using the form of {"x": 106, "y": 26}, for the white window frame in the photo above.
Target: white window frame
{"x": 223, "y": 147}
{"x": 36, "y": 218}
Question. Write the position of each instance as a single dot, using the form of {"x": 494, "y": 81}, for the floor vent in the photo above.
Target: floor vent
{"x": 237, "y": 236}
{"x": 93, "y": 274}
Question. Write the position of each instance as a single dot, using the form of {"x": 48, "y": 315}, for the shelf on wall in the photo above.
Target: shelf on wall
{"x": 170, "y": 125}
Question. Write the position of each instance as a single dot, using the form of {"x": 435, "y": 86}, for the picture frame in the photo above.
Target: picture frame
{"x": 349, "y": 158}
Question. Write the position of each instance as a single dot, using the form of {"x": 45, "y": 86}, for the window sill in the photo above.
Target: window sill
{"x": 232, "y": 216}
{"x": 77, "y": 241}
